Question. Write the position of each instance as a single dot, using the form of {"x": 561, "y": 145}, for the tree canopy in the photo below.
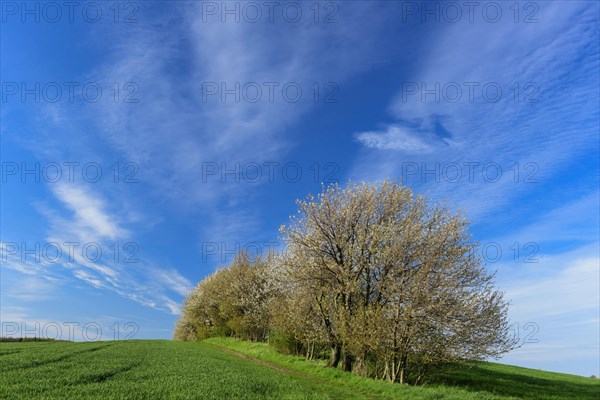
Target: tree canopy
{"x": 373, "y": 275}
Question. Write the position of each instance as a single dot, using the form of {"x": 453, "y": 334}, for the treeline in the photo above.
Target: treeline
{"x": 29, "y": 339}
{"x": 373, "y": 278}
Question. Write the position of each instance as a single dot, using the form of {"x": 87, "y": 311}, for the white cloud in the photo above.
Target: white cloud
{"x": 559, "y": 298}
{"x": 555, "y": 56}
{"x": 560, "y": 286}
{"x": 174, "y": 129}
{"x": 91, "y": 224}
{"x": 29, "y": 288}
{"x": 173, "y": 307}
{"x": 575, "y": 221}
{"x": 172, "y": 280}
{"x": 89, "y": 210}
{"x": 397, "y": 138}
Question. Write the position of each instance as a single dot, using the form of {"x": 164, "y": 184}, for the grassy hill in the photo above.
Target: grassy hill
{"x": 229, "y": 369}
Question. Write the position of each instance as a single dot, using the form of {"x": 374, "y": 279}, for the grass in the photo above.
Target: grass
{"x": 522, "y": 383}
{"x": 157, "y": 369}
{"x": 481, "y": 381}
{"x": 137, "y": 370}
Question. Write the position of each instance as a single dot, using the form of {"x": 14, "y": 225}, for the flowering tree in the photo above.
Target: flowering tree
{"x": 388, "y": 283}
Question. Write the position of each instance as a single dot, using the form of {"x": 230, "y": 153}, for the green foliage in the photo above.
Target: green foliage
{"x": 284, "y": 342}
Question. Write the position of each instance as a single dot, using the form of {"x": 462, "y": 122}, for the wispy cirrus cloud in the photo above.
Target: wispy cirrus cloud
{"x": 178, "y": 125}
{"x": 554, "y": 287}
{"x": 92, "y": 223}
{"x": 89, "y": 212}
{"x": 401, "y": 138}
{"x": 554, "y": 307}
{"x": 506, "y": 93}
{"x": 174, "y": 127}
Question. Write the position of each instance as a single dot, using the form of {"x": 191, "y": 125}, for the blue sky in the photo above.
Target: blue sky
{"x": 143, "y": 143}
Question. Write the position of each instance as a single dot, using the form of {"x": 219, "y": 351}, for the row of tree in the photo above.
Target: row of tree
{"x": 373, "y": 278}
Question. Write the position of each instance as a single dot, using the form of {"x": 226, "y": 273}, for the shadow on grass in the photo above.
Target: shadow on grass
{"x": 103, "y": 376}
{"x": 518, "y": 384}
{"x": 9, "y": 352}
{"x": 62, "y": 357}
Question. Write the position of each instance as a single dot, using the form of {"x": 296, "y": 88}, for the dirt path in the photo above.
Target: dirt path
{"x": 309, "y": 378}
{"x": 261, "y": 362}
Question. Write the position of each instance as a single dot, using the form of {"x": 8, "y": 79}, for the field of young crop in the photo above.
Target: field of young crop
{"x": 227, "y": 369}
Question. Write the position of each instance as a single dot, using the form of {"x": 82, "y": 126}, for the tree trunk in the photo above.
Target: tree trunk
{"x": 403, "y": 362}
{"x": 334, "y": 359}
{"x": 422, "y": 372}
{"x": 386, "y": 375}
{"x": 347, "y": 363}
{"x": 360, "y": 366}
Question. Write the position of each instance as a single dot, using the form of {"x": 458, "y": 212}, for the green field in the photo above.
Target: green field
{"x": 228, "y": 369}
